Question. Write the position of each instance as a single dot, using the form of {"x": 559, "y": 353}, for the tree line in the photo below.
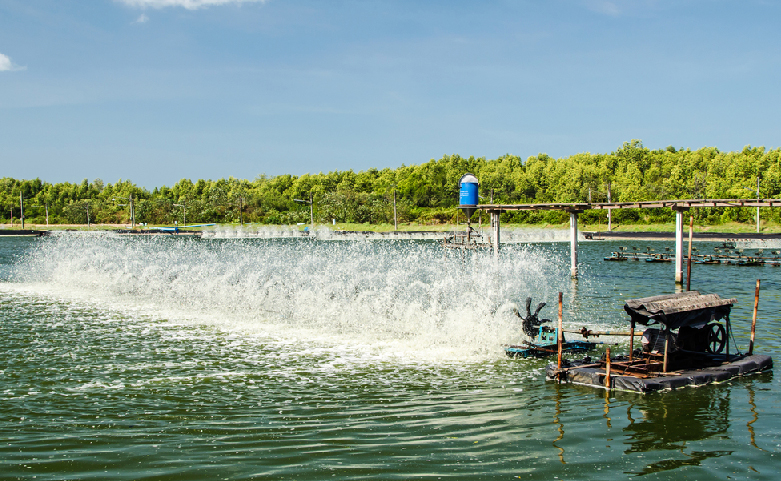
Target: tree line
{"x": 426, "y": 193}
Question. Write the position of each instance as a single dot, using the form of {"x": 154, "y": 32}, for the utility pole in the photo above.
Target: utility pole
{"x": 395, "y": 222}
{"x": 132, "y": 212}
{"x": 609, "y": 211}
{"x": 21, "y": 207}
{"x": 757, "y": 206}
{"x": 184, "y": 213}
{"x": 496, "y": 251}
{"x": 311, "y": 210}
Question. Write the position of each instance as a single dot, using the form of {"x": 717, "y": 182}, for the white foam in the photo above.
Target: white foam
{"x": 370, "y": 301}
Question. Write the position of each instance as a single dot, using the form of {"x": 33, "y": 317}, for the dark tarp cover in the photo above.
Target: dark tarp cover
{"x": 676, "y": 310}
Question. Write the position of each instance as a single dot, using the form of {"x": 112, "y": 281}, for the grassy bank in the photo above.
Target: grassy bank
{"x": 731, "y": 227}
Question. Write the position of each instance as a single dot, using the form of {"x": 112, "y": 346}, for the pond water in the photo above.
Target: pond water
{"x": 291, "y": 358}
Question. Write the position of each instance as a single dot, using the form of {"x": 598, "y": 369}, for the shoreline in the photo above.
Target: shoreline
{"x": 433, "y": 234}
{"x": 704, "y": 234}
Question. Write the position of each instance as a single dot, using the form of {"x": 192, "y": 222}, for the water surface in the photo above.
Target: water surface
{"x": 173, "y": 358}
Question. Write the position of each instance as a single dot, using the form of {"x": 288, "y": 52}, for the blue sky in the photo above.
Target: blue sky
{"x": 158, "y": 90}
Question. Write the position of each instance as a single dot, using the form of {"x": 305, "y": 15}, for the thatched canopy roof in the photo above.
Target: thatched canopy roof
{"x": 677, "y": 310}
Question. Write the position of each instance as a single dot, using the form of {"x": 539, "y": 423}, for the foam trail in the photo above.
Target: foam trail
{"x": 407, "y": 297}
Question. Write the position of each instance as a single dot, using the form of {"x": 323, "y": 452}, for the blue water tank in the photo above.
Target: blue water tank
{"x": 468, "y": 195}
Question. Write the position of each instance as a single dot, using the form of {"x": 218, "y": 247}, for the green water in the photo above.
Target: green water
{"x": 297, "y": 359}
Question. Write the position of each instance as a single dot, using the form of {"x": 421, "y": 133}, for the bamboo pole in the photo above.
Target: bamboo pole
{"x": 631, "y": 340}
{"x": 559, "y": 332}
{"x": 607, "y": 368}
{"x": 666, "y": 344}
{"x": 689, "y": 264}
{"x": 754, "y": 320}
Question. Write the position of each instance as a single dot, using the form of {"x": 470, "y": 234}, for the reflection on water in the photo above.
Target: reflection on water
{"x": 559, "y": 425}
{"x": 664, "y": 433}
{"x": 671, "y": 421}
{"x": 755, "y": 416}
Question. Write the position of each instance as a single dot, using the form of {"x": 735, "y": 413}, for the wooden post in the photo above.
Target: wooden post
{"x": 607, "y": 367}
{"x": 689, "y": 264}
{"x": 559, "y": 332}
{"x": 666, "y": 342}
{"x": 573, "y": 233}
{"x": 754, "y": 320}
{"x": 631, "y": 339}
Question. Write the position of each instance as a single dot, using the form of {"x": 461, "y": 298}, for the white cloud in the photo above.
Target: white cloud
{"x": 6, "y": 64}
{"x": 142, "y": 19}
{"x": 188, "y": 4}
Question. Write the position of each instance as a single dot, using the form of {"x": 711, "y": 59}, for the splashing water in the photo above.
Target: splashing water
{"x": 408, "y": 299}
{"x": 508, "y": 236}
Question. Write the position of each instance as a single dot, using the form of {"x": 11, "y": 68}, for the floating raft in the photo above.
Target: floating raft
{"x": 465, "y": 240}
{"x": 595, "y": 377}
{"x": 692, "y": 356}
{"x": 727, "y": 254}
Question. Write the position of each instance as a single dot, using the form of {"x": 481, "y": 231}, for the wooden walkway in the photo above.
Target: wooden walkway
{"x": 650, "y": 204}
{"x": 575, "y": 208}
